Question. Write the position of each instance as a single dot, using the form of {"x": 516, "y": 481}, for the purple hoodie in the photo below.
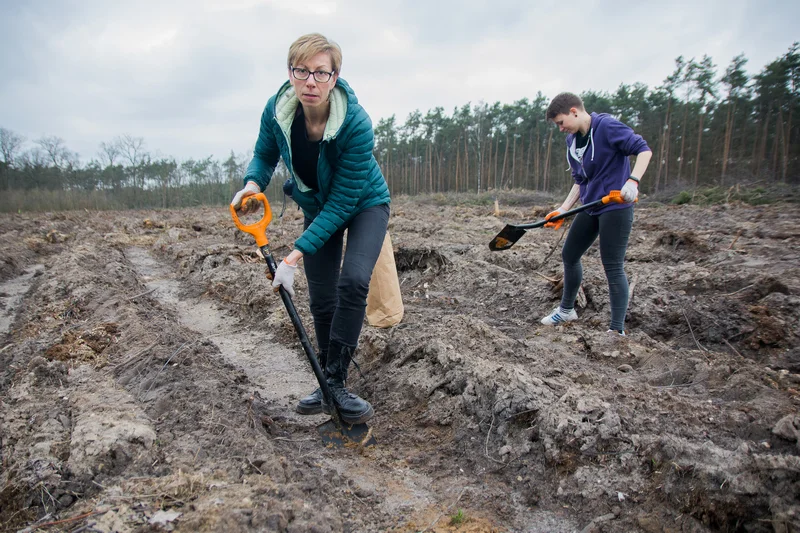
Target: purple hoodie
{"x": 605, "y": 166}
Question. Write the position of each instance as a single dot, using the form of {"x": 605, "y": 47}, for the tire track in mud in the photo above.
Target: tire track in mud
{"x": 281, "y": 377}
{"x": 276, "y": 370}
{"x": 11, "y": 295}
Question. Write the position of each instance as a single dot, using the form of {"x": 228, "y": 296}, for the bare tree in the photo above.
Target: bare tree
{"x": 10, "y": 143}
{"x": 56, "y": 152}
{"x": 132, "y": 150}
{"x": 109, "y": 152}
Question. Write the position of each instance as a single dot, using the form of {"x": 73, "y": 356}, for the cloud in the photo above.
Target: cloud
{"x": 192, "y": 77}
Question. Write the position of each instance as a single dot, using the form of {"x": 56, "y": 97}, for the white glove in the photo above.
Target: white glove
{"x": 250, "y": 189}
{"x": 629, "y": 191}
{"x": 284, "y": 275}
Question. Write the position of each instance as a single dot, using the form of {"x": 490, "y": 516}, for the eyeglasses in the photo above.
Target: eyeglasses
{"x": 319, "y": 75}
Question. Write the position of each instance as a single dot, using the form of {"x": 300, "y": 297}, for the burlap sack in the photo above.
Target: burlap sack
{"x": 384, "y": 302}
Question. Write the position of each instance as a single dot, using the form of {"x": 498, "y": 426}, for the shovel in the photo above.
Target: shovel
{"x": 336, "y": 431}
{"x": 511, "y": 234}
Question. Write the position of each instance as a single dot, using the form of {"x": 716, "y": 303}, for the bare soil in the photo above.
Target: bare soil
{"x": 148, "y": 375}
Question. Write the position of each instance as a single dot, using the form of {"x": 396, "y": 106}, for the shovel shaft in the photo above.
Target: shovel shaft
{"x": 565, "y": 214}
{"x": 336, "y": 431}
{"x": 300, "y": 330}
{"x": 512, "y": 233}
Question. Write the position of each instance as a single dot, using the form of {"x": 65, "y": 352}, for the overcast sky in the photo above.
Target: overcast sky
{"x": 192, "y": 77}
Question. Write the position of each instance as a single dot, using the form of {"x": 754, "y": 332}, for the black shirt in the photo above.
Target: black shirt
{"x": 580, "y": 140}
{"x": 305, "y": 153}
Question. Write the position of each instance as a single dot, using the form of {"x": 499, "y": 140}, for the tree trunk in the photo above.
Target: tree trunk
{"x": 514, "y": 161}
{"x": 528, "y": 182}
{"x": 756, "y": 144}
{"x": 726, "y": 148}
{"x": 546, "y": 173}
{"x": 785, "y": 134}
{"x": 788, "y": 144}
{"x": 775, "y": 145}
{"x": 505, "y": 159}
{"x": 406, "y": 184}
{"x": 496, "y": 156}
{"x": 466, "y": 164}
{"x": 662, "y": 147}
{"x": 536, "y": 163}
{"x": 458, "y": 160}
{"x": 416, "y": 169}
{"x": 683, "y": 141}
{"x": 699, "y": 142}
{"x": 481, "y": 148}
{"x": 762, "y": 147}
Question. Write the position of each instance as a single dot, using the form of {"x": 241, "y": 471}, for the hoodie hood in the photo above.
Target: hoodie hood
{"x": 597, "y": 120}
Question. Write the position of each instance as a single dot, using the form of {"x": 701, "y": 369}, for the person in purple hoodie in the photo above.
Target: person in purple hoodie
{"x": 598, "y": 147}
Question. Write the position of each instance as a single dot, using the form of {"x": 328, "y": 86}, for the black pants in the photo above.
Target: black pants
{"x": 337, "y": 290}
{"x": 614, "y": 229}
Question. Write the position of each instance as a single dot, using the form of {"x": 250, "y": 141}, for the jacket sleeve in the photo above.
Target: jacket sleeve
{"x": 266, "y": 153}
{"x": 624, "y": 139}
{"x": 351, "y": 176}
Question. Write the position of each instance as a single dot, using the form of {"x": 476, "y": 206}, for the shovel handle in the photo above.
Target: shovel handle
{"x": 611, "y": 197}
{"x": 257, "y": 229}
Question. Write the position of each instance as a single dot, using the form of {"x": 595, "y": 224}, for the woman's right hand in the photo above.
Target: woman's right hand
{"x": 558, "y": 223}
{"x": 250, "y": 189}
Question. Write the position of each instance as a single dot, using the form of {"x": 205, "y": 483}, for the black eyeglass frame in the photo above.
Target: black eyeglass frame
{"x": 316, "y": 73}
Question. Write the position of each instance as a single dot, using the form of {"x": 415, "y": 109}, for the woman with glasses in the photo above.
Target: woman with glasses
{"x": 315, "y": 123}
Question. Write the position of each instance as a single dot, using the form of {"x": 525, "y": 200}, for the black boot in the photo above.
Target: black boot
{"x": 353, "y": 409}
{"x": 312, "y": 404}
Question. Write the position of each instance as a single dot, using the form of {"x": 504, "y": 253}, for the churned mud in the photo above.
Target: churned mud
{"x": 148, "y": 375}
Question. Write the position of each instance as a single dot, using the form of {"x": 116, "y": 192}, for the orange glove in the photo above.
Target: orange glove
{"x": 557, "y": 224}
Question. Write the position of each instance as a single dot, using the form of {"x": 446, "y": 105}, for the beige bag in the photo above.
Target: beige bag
{"x": 384, "y": 302}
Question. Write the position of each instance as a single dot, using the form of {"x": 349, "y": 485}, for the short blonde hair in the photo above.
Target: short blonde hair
{"x": 312, "y": 44}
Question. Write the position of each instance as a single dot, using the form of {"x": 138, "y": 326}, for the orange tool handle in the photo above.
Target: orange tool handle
{"x": 616, "y": 197}
{"x": 258, "y": 229}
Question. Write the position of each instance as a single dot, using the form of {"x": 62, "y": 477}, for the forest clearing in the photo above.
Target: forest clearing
{"x": 149, "y": 375}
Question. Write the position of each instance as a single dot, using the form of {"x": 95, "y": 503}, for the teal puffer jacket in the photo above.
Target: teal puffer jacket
{"x": 349, "y": 177}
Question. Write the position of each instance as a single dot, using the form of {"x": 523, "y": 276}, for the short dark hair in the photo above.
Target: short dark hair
{"x": 561, "y": 104}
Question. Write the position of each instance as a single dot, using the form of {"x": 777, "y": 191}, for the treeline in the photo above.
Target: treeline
{"x": 705, "y": 127}
{"x": 124, "y": 175}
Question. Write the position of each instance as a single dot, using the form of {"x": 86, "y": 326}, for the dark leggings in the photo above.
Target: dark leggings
{"x": 614, "y": 228}
{"x": 337, "y": 291}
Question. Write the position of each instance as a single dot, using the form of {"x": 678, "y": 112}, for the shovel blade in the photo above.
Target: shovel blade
{"x": 345, "y": 435}
{"x": 506, "y": 238}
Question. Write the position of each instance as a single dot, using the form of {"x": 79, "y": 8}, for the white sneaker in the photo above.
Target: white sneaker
{"x": 559, "y": 316}
{"x": 615, "y": 333}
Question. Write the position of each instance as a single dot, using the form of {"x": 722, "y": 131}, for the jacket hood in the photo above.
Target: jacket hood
{"x": 342, "y": 99}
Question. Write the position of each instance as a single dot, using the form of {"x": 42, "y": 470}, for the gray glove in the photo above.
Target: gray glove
{"x": 250, "y": 189}
{"x": 630, "y": 191}
{"x": 284, "y": 275}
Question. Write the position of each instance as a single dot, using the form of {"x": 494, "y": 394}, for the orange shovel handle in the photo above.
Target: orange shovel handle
{"x": 615, "y": 197}
{"x": 258, "y": 229}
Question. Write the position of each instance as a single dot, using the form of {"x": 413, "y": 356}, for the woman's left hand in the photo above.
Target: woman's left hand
{"x": 284, "y": 276}
{"x": 630, "y": 191}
